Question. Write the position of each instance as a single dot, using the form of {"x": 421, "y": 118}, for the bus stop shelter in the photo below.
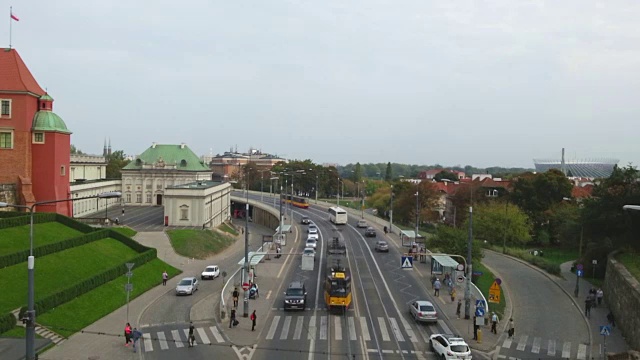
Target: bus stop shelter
{"x": 443, "y": 266}
{"x": 255, "y": 257}
{"x": 408, "y": 238}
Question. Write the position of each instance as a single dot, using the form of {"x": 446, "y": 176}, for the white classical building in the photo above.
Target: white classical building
{"x": 87, "y": 168}
{"x": 145, "y": 179}
{"x": 198, "y": 204}
{"x": 91, "y": 188}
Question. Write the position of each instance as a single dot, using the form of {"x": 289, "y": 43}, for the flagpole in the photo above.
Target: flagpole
{"x": 10, "y": 24}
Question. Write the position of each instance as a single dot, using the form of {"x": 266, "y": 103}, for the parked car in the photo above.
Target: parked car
{"x": 382, "y": 246}
{"x": 424, "y": 311}
{"x": 449, "y": 347}
{"x": 370, "y": 232}
{"x": 311, "y": 243}
{"x": 305, "y": 220}
{"x": 187, "y": 286}
{"x": 296, "y": 296}
{"x": 362, "y": 224}
{"x": 210, "y": 272}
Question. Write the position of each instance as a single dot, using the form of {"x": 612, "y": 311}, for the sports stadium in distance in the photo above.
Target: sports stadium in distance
{"x": 587, "y": 168}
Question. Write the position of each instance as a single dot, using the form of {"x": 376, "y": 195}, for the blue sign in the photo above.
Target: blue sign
{"x": 407, "y": 262}
{"x": 605, "y": 330}
{"x": 479, "y": 311}
{"x": 579, "y": 273}
{"x": 481, "y": 303}
{"x": 477, "y": 273}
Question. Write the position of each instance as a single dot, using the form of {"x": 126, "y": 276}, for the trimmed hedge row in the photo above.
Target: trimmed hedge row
{"x": 9, "y": 214}
{"x": 65, "y": 295}
{"x": 7, "y": 322}
{"x": 24, "y": 219}
{"x": 136, "y": 246}
{"x": 76, "y": 225}
{"x": 47, "y": 249}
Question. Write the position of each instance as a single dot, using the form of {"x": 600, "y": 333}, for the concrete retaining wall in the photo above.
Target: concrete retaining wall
{"x": 622, "y": 294}
{"x": 8, "y": 195}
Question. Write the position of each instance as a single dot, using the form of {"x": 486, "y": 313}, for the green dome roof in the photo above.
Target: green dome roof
{"x": 45, "y": 120}
{"x": 46, "y": 97}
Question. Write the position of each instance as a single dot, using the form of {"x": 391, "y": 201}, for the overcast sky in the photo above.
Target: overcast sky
{"x": 421, "y": 82}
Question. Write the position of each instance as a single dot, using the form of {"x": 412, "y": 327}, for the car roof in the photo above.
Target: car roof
{"x": 309, "y": 248}
{"x": 296, "y": 284}
{"x": 370, "y": 228}
{"x": 208, "y": 266}
{"x": 424, "y": 302}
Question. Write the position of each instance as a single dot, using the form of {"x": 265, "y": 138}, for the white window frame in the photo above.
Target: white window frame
{"x": 10, "y": 108}
{"x": 184, "y": 212}
{"x": 34, "y": 137}
{"x": 138, "y": 198}
{"x": 10, "y": 132}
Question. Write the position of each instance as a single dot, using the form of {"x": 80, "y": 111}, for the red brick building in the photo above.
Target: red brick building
{"x": 34, "y": 141}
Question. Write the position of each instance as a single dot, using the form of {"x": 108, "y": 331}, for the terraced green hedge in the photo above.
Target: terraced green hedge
{"x": 76, "y": 225}
{"x": 24, "y": 219}
{"x": 7, "y": 322}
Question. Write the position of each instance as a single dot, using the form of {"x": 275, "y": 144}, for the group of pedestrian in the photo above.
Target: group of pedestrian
{"x": 233, "y": 320}
{"x": 131, "y": 336}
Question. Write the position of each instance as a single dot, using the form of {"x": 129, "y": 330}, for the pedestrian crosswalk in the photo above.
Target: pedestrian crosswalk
{"x": 536, "y": 345}
{"x": 305, "y": 327}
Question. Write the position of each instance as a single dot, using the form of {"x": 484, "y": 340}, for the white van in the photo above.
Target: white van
{"x": 362, "y": 224}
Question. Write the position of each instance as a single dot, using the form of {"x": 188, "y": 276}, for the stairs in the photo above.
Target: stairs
{"x": 41, "y": 330}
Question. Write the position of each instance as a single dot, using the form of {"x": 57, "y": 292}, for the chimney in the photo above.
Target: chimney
{"x": 153, "y": 145}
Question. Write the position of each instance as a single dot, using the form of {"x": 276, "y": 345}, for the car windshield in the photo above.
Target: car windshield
{"x": 311, "y": 241}
{"x": 295, "y": 292}
{"x": 382, "y": 243}
{"x": 426, "y": 308}
{"x": 460, "y": 348}
{"x": 185, "y": 282}
{"x": 210, "y": 269}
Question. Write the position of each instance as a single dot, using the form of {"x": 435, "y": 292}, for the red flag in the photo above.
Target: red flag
{"x": 14, "y": 17}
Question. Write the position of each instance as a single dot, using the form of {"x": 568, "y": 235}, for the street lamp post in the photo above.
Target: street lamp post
{"x": 31, "y": 312}
{"x": 391, "y": 212}
{"x": 504, "y": 233}
{"x": 338, "y": 192}
{"x": 467, "y": 293}
{"x": 245, "y": 305}
{"x": 417, "y": 215}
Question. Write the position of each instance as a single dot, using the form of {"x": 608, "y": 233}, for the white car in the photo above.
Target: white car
{"x": 362, "y": 224}
{"x": 309, "y": 252}
{"x": 187, "y": 286}
{"x": 312, "y": 229}
{"x": 422, "y": 310}
{"x": 210, "y": 272}
{"x": 311, "y": 243}
{"x": 449, "y": 347}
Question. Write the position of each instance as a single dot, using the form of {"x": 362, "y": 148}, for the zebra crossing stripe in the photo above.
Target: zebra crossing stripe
{"x": 566, "y": 350}
{"x": 175, "y": 334}
{"x": 507, "y": 343}
{"x": 396, "y": 329}
{"x": 582, "y": 352}
{"x": 298, "y": 331}
{"x": 203, "y": 336}
{"x": 408, "y": 330}
{"x": 352, "y": 328}
{"x": 148, "y": 345}
{"x": 186, "y": 334}
{"x": 444, "y": 327}
{"x": 338, "y": 327}
{"x": 274, "y": 326}
{"x": 216, "y": 334}
{"x": 285, "y": 328}
{"x": 551, "y": 348}
{"x": 522, "y": 343}
{"x": 312, "y": 328}
{"x": 365, "y": 329}
{"x": 383, "y": 329}
{"x": 323, "y": 328}
{"x": 163, "y": 340}
{"x": 535, "y": 347}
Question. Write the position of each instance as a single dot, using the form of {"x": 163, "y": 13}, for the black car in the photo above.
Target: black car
{"x": 370, "y": 232}
{"x": 305, "y": 220}
{"x": 296, "y": 296}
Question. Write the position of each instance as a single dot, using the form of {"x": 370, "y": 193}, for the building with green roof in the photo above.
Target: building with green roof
{"x": 145, "y": 179}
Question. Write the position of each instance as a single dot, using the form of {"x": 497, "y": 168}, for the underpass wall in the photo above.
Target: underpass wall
{"x": 622, "y": 295}
{"x": 262, "y": 214}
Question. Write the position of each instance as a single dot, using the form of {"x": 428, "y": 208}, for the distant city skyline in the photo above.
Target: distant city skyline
{"x": 492, "y": 84}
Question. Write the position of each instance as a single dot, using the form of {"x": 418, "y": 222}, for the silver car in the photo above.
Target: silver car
{"x": 424, "y": 311}
{"x": 187, "y": 286}
{"x": 382, "y": 246}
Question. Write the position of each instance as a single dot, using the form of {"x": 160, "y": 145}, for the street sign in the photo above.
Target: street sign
{"x": 128, "y": 287}
{"x": 407, "y": 262}
{"x": 579, "y": 273}
{"x": 460, "y": 267}
{"x": 499, "y": 281}
{"x": 481, "y": 303}
{"x": 494, "y": 293}
{"x": 460, "y": 279}
{"x": 129, "y": 274}
{"x": 477, "y": 273}
{"x": 594, "y": 262}
{"x": 605, "y": 330}
{"x": 245, "y": 286}
{"x": 579, "y": 266}
{"x": 479, "y": 311}
{"x": 130, "y": 265}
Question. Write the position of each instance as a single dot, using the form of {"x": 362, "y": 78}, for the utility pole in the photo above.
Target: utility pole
{"x": 391, "y": 212}
{"x": 417, "y": 216}
{"x": 246, "y": 253}
{"x": 467, "y": 293}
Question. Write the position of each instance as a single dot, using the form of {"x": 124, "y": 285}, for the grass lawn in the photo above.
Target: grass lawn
{"x": 631, "y": 261}
{"x": 198, "y": 244}
{"x": 559, "y": 255}
{"x": 483, "y": 283}
{"x": 84, "y": 310}
{"x": 126, "y": 231}
{"x": 18, "y": 332}
{"x": 17, "y": 238}
{"x": 60, "y": 270}
{"x": 227, "y": 228}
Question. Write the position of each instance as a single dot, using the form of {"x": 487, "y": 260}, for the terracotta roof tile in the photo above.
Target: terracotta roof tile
{"x": 14, "y": 74}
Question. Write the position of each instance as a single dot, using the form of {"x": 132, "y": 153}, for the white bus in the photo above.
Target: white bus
{"x": 337, "y": 215}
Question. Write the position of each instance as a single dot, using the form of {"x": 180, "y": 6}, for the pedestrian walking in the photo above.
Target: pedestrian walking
{"x": 475, "y": 328}
{"x": 512, "y": 328}
{"x": 458, "y": 308}
{"x": 611, "y": 319}
{"x": 235, "y": 296}
{"x": 232, "y": 318}
{"x": 165, "y": 277}
{"x": 253, "y": 318}
{"x": 127, "y": 334}
{"x": 436, "y": 287}
{"x": 587, "y": 306}
{"x": 192, "y": 336}
{"x": 137, "y": 334}
{"x": 599, "y": 296}
{"x": 494, "y": 323}
{"x": 453, "y": 294}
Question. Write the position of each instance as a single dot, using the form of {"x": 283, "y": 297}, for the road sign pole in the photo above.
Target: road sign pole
{"x": 578, "y": 270}
{"x": 129, "y": 286}
{"x": 604, "y": 351}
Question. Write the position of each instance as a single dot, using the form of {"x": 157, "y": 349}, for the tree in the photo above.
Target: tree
{"x": 388, "y": 175}
{"x": 356, "y": 176}
{"x": 76, "y": 151}
{"x": 450, "y": 240}
{"x": 496, "y": 222}
{"x": 445, "y": 174}
{"x": 115, "y": 162}
{"x": 404, "y": 207}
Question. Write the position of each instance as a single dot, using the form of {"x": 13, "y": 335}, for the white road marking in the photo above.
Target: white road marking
{"x": 269, "y": 294}
{"x": 522, "y": 343}
{"x": 352, "y": 328}
{"x": 323, "y": 328}
{"x": 507, "y": 343}
{"x": 444, "y": 327}
{"x": 383, "y": 329}
{"x": 396, "y": 329}
{"x": 216, "y": 334}
{"x": 582, "y": 352}
{"x": 387, "y": 351}
{"x": 365, "y": 329}
{"x": 312, "y": 328}
{"x": 551, "y": 348}
{"x": 186, "y": 334}
{"x": 298, "y": 331}
{"x": 274, "y": 326}
{"x": 175, "y": 334}
{"x": 338, "y": 328}
{"x": 566, "y": 350}
{"x": 148, "y": 345}
{"x": 408, "y": 330}
{"x": 535, "y": 347}
{"x": 163, "y": 340}
{"x": 203, "y": 336}
{"x": 285, "y": 328}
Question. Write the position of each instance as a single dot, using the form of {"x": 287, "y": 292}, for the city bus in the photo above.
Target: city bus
{"x": 337, "y": 284}
{"x": 297, "y": 201}
{"x": 337, "y": 215}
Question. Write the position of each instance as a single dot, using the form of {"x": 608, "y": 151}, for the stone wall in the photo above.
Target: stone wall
{"x": 622, "y": 294}
{"x": 8, "y": 195}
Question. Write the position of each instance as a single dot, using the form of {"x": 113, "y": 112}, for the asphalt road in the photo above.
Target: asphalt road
{"x": 547, "y": 323}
